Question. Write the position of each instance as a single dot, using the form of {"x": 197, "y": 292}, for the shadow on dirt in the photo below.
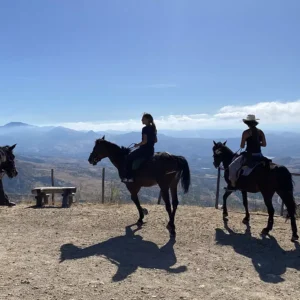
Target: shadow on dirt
{"x": 128, "y": 252}
{"x": 268, "y": 258}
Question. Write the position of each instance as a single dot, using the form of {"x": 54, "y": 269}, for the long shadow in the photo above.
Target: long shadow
{"x": 268, "y": 258}
{"x": 128, "y": 252}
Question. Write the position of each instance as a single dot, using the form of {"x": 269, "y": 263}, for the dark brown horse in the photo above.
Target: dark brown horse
{"x": 163, "y": 169}
{"x": 267, "y": 180}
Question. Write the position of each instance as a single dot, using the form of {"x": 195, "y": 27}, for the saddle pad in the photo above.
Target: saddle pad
{"x": 246, "y": 170}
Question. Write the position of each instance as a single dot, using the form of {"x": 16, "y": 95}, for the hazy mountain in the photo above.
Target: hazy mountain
{"x": 60, "y": 141}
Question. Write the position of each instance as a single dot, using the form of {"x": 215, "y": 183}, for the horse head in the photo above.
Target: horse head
{"x": 219, "y": 149}
{"x": 7, "y": 161}
{"x": 99, "y": 151}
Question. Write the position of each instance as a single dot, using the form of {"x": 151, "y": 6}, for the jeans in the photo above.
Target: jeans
{"x": 142, "y": 152}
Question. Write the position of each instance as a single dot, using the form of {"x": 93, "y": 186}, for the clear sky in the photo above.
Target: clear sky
{"x": 96, "y": 62}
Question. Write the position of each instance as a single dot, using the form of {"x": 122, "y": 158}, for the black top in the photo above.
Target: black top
{"x": 151, "y": 136}
{"x": 253, "y": 141}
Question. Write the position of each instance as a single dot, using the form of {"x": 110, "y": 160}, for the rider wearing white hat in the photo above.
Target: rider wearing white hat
{"x": 254, "y": 139}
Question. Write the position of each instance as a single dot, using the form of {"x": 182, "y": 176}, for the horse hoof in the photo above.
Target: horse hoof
{"x": 140, "y": 222}
{"x": 246, "y": 221}
{"x": 295, "y": 238}
{"x": 172, "y": 234}
{"x": 225, "y": 215}
{"x": 265, "y": 231}
{"x": 171, "y": 230}
{"x": 145, "y": 211}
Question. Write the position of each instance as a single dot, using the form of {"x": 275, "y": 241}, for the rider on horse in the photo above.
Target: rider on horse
{"x": 145, "y": 147}
{"x": 254, "y": 138}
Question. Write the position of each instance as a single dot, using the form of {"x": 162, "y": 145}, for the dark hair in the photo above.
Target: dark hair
{"x": 151, "y": 121}
{"x": 251, "y": 124}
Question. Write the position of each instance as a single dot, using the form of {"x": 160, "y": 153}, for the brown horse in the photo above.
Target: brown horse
{"x": 163, "y": 169}
{"x": 267, "y": 180}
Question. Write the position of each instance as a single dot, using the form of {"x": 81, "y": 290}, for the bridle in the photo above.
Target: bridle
{"x": 218, "y": 152}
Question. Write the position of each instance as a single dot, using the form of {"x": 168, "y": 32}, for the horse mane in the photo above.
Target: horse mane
{"x": 124, "y": 150}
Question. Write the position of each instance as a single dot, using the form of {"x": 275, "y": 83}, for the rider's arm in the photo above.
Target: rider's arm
{"x": 143, "y": 142}
{"x": 263, "y": 141}
{"x": 244, "y": 138}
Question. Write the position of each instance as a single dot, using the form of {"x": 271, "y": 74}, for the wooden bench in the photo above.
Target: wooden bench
{"x": 43, "y": 193}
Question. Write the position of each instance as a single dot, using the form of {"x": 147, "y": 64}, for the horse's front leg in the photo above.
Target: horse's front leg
{"x": 136, "y": 201}
{"x": 268, "y": 201}
{"x": 225, "y": 196}
{"x": 245, "y": 202}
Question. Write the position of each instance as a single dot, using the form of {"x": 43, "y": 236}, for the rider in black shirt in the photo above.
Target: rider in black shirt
{"x": 145, "y": 147}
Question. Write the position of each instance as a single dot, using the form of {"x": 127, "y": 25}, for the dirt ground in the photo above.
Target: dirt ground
{"x": 89, "y": 252}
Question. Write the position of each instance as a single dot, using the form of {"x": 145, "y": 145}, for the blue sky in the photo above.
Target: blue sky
{"x": 92, "y": 62}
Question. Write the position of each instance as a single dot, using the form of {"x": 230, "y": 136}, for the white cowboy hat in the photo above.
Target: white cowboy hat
{"x": 250, "y": 118}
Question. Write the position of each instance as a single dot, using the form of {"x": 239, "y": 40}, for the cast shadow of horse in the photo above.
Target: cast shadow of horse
{"x": 268, "y": 258}
{"x": 128, "y": 253}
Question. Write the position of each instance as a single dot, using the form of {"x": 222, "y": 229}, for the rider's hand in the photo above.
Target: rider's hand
{"x": 136, "y": 145}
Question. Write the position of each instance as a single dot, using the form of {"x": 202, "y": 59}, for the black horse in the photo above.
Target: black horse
{"x": 267, "y": 180}
{"x": 7, "y": 167}
{"x": 163, "y": 169}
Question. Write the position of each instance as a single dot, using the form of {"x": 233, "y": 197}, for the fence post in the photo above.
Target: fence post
{"x": 159, "y": 197}
{"x": 282, "y": 206}
{"x": 52, "y": 183}
{"x": 103, "y": 179}
{"x": 218, "y": 189}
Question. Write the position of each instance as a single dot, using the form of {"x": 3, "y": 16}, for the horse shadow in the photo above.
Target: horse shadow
{"x": 128, "y": 253}
{"x": 269, "y": 260}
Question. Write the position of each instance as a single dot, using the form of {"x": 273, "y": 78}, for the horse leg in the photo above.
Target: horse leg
{"x": 288, "y": 200}
{"x": 268, "y": 202}
{"x": 166, "y": 197}
{"x": 245, "y": 202}
{"x": 225, "y": 196}
{"x": 174, "y": 201}
{"x": 135, "y": 199}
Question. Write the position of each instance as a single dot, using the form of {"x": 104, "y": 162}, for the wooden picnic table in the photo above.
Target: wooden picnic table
{"x": 43, "y": 193}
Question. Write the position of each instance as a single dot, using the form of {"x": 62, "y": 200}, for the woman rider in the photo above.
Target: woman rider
{"x": 254, "y": 138}
{"x": 145, "y": 147}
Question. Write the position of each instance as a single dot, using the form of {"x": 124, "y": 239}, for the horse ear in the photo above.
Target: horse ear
{"x": 12, "y": 147}
{"x": 103, "y": 138}
{"x": 215, "y": 143}
{"x": 225, "y": 143}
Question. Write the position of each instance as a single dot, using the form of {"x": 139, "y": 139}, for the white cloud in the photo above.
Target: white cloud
{"x": 270, "y": 113}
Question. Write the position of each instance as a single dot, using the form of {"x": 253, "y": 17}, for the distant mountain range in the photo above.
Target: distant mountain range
{"x": 63, "y": 142}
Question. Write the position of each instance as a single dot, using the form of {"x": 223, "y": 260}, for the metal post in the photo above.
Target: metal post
{"x": 159, "y": 197}
{"x": 282, "y": 206}
{"x": 52, "y": 183}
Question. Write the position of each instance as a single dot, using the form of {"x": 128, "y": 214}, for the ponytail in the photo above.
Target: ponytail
{"x": 151, "y": 121}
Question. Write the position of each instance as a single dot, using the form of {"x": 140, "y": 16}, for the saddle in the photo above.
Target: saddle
{"x": 252, "y": 162}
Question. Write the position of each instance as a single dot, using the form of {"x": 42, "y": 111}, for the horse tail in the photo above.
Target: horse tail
{"x": 185, "y": 175}
{"x": 286, "y": 189}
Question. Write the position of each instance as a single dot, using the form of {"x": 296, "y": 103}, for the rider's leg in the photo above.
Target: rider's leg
{"x": 234, "y": 167}
{"x": 138, "y": 153}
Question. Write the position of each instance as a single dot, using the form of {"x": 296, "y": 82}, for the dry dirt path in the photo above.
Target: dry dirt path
{"x": 86, "y": 252}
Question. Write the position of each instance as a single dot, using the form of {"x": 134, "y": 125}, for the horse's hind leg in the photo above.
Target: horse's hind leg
{"x": 268, "y": 201}
{"x": 288, "y": 200}
{"x": 166, "y": 197}
{"x": 175, "y": 202}
{"x": 245, "y": 202}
